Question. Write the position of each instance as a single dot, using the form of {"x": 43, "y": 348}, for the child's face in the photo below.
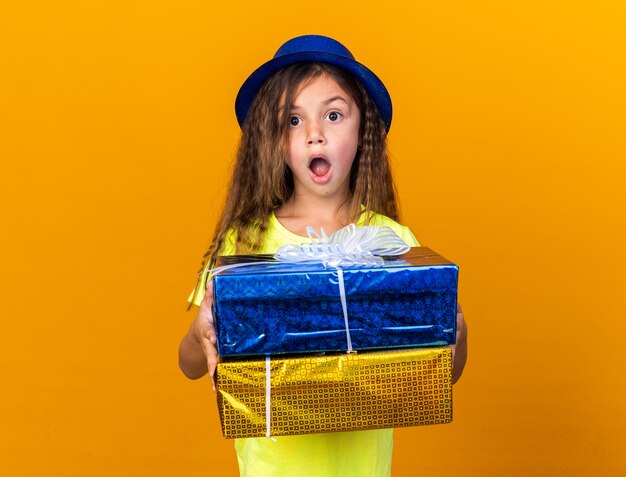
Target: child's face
{"x": 323, "y": 139}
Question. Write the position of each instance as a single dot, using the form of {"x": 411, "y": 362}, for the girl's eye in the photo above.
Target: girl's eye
{"x": 294, "y": 120}
{"x": 334, "y": 116}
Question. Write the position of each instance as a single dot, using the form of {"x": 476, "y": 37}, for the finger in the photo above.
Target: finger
{"x": 461, "y": 327}
{"x": 206, "y": 308}
{"x": 208, "y": 328}
{"x": 208, "y": 295}
{"x": 212, "y": 365}
{"x": 210, "y": 351}
{"x": 212, "y": 359}
{"x": 212, "y": 368}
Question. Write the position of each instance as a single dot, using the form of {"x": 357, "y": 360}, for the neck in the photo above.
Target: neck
{"x": 319, "y": 212}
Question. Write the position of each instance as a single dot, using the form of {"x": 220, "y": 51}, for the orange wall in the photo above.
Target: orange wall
{"x": 117, "y": 130}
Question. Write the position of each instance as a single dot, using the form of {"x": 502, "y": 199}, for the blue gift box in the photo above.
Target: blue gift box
{"x": 272, "y": 307}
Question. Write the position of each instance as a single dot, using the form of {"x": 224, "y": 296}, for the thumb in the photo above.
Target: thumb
{"x": 212, "y": 359}
{"x": 207, "y": 299}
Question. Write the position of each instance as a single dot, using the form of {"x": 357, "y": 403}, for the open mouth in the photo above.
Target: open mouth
{"x": 319, "y": 166}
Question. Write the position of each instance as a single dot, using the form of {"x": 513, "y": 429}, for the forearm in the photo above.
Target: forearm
{"x": 191, "y": 358}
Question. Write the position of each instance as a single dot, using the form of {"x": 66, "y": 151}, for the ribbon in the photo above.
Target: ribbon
{"x": 348, "y": 247}
{"x": 268, "y": 398}
{"x": 344, "y": 307}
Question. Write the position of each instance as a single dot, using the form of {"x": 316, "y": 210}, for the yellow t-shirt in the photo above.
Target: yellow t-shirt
{"x": 341, "y": 454}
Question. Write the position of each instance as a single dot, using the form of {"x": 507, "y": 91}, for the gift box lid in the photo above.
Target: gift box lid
{"x": 266, "y": 263}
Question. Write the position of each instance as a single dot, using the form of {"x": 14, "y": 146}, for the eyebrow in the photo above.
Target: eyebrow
{"x": 326, "y": 102}
{"x": 335, "y": 98}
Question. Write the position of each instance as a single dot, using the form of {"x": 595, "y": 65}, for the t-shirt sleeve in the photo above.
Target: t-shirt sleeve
{"x": 408, "y": 237}
{"x": 403, "y": 232}
{"x": 197, "y": 294}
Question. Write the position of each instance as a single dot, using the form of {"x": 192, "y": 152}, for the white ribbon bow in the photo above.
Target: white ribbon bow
{"x": 348, "y": 247}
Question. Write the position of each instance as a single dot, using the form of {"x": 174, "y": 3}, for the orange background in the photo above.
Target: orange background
{"x": 116, "y": 134}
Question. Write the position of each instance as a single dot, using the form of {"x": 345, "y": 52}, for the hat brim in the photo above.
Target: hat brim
{"x": 372, "y": 84}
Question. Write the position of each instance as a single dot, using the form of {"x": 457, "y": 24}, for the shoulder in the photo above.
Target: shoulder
{"x": 383, "y": 221}
{"x": 274, "y": 237}
{"x": 229, "y": 245}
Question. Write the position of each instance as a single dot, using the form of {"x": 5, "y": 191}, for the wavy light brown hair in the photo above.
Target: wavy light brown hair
{"x": 262, "y": 181}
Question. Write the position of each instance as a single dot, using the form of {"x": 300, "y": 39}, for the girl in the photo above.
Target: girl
{"x": 313, "y": 153}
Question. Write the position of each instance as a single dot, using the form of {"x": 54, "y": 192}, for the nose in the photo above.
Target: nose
{"x": 315, "y": 134}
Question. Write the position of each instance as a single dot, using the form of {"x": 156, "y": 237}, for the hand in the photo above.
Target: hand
{"x": 204, "y": 329}
{"x": 459, "y": 350}
{"x": 198, "y": 349}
